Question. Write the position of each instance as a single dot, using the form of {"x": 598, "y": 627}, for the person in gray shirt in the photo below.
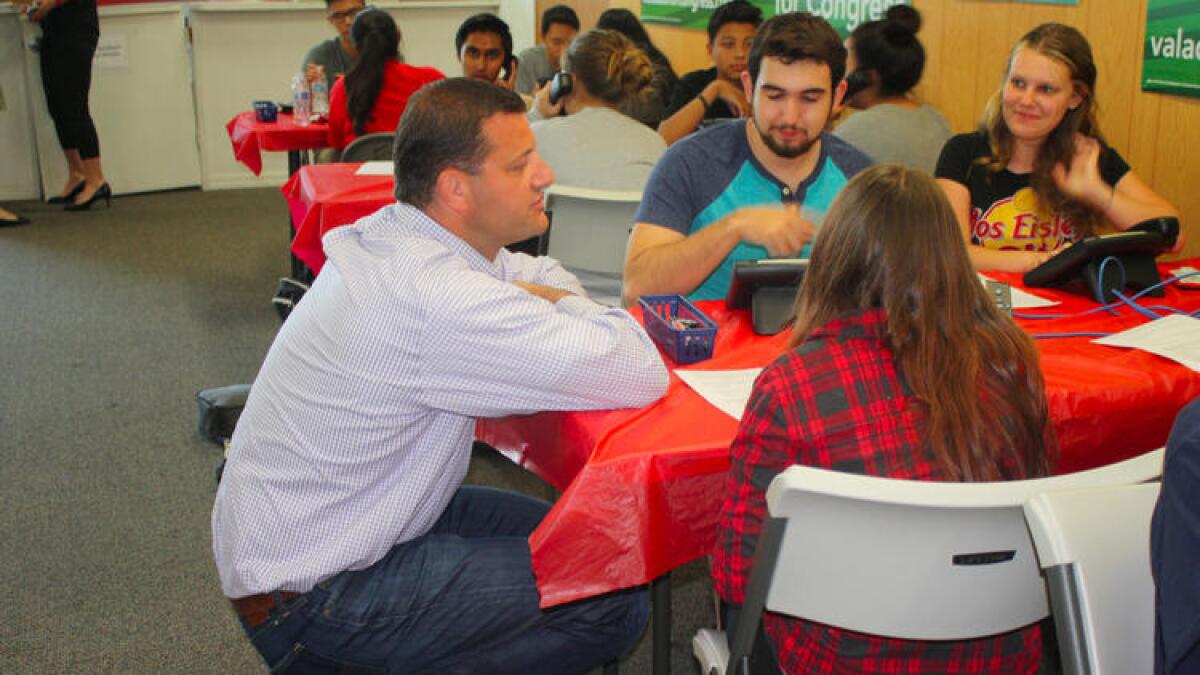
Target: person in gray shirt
{"x": 335, "y": 55}
{"x": 884, "y": 63}
{"x": 598, "y": 144}
{"x": 537, "y": 64}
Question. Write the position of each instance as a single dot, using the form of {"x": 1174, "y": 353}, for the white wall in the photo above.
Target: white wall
{"x": 141, "y": 102}
{"x": 177, "y": 73}
{"x": 18, "y": 169}
{"x": 249, "y": 50}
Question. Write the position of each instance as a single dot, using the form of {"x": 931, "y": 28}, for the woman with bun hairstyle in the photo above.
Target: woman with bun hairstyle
{"x": 884, "y": 62}
{"x": 372, "y": 96}
{"x": 596, "y": 143}
{"x": 1037, "y": 174}
{"x": 898, "y": 366}
{"x": 650, "y": 109}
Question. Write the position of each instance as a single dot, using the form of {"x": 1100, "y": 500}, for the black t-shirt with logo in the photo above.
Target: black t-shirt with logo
{"x": 1005, "y": 211}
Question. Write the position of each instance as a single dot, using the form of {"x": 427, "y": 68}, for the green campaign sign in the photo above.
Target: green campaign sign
{"x": 843, "y": 15}
{"x": 1171, "y": 62}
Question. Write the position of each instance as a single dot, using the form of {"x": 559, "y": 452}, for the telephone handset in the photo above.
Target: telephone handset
{"x": 560, "y": 86}
{"x": 510, "y": 64}
{"x": 856, "y": 81}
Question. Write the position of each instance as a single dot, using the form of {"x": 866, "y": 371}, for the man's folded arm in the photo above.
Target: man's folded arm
{"x": 543, "y": 270}
{"x": 506, "y": 351}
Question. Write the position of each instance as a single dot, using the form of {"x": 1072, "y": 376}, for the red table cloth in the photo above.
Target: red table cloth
{"x": 642, "y": 488}
{"x": 324, "y": 196}
{"x": 251, "y": 137}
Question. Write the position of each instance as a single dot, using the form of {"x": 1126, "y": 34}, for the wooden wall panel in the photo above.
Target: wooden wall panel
{"x": 967, "y": 44}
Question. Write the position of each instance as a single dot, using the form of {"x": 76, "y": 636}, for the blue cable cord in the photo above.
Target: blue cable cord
{"x": 1104, "y": 308}
{"x": 1100, "y": 281}
{"x": 1111, "y": 308}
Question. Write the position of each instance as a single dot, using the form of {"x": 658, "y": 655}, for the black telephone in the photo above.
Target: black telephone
{"x": 1134, "y": 248}
{"x": 560, "y": 86}
{"x": 856, "y": 81}
{"x": 510, "y": 64}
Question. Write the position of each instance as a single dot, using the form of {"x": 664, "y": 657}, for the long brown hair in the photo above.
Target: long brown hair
{"x": 972, "y": 372}
{"x": 1069, "y": 47}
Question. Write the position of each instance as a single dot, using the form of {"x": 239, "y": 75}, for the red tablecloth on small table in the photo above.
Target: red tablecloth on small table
{"x": 251, "y": 137}
{"x": 642, "y": 488}
{"x": 324, "y": 196}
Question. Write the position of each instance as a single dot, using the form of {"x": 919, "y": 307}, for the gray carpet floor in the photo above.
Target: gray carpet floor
{"x": 110, "y": 322}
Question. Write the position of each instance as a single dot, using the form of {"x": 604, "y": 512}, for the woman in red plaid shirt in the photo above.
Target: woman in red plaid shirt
{"x": 900, "y": 366}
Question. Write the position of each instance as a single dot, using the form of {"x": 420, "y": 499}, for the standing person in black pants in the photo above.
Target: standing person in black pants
{"x": 70, "y": 31}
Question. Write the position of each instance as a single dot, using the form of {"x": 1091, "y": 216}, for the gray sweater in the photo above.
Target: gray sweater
{"x": 599, "y": 148}
{"x": 891, "y": 134}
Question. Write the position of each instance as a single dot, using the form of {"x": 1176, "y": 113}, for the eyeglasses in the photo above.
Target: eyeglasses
{"x": 344, "y": 15}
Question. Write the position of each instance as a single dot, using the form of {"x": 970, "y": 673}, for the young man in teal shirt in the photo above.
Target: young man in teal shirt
{"x": 748, "y": 189}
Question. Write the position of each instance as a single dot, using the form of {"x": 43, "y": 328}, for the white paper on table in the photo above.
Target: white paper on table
{"x": 1023, "y": 299}
{"x": 1189, "y": 281}
{"x": 383, "y": 168}
{"x": 728, "y": 390}
{"x": 1175, "y": 336}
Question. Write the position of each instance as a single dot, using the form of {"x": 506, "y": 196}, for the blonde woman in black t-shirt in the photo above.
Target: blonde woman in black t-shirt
{"x": 1038, "y": 175}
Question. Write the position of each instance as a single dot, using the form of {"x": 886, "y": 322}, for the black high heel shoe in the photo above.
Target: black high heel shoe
{"x": 104, "y": 192}
{"x": 19, "y": 220}
{"x": 70, "y": 196}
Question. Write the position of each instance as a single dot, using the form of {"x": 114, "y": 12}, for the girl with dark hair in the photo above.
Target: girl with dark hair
{"x": 373, "y": 95}
{"x": 649, "y": 109}
{"x": 884, "y": 62}
{"x": 598, "y": 144}
{"x": 898, "y": 366}
{"x": 1038, "y": 174}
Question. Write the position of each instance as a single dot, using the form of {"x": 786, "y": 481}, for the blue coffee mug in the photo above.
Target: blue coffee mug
{"x": 266, "y": 111}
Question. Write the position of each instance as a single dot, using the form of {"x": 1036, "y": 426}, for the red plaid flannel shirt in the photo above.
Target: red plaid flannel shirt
{"x": 837, "y": 402}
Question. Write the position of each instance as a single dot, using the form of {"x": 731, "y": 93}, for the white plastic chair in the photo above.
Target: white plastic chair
{"x": 914, "y": 560}
{"x": 1094, "y": 546}
{"x": 590, "y": 228}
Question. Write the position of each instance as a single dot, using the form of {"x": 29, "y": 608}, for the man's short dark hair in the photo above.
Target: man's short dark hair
{"x": 442, "y": 128}
{"x": 798, "y": 36}
{"x": 559, "y": 14}
{"x": 483, "y": 23}
{"x": 735, "y": 11}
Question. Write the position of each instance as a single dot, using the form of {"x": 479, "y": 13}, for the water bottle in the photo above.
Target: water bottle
{"x": 301, "y": 101}
{"x": 320, "y": 95}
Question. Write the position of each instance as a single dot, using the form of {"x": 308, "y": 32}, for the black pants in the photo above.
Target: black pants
{"x": 66, "y": 79}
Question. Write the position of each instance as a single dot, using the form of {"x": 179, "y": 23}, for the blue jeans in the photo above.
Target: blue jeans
{"x": 460, "y": 599}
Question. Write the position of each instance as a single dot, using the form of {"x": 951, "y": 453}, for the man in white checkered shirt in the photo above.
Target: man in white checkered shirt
{"x": 341, "y": 528}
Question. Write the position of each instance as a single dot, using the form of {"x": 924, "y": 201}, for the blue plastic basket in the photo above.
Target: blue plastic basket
{"x": 682, "y": 344}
